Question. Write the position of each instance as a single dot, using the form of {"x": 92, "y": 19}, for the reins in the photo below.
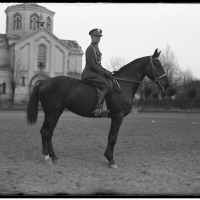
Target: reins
{"x": 126, "y": 80}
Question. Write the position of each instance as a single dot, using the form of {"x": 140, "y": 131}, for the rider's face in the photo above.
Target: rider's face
{"x": 96, "y": 38}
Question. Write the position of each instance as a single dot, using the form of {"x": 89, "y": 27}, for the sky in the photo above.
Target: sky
{"x": 130, "y": 30}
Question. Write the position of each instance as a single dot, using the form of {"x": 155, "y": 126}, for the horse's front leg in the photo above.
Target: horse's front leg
{"x": 112, "y": 138}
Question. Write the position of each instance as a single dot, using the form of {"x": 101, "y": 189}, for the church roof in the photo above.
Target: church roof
{"x": 73, "y": 46}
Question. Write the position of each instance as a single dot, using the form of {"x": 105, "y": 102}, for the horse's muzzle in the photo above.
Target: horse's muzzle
{"x": 161, "y": 86}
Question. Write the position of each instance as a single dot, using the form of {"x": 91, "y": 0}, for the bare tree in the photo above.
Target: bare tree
{"x": 171, "y": 91}
{"x": 187, "y": 76}
{"x": 147, "y": 93}
{"x": 163, "y": 95}
{"x": 116, "y": 63}
{"x": 155, "y": 94}
{"x": 170, "y": 64}
{"x": 17, "y": 72}
{"x": 192, "y": 93}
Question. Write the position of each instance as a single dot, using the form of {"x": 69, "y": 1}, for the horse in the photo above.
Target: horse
{"x": 57, "y": 93}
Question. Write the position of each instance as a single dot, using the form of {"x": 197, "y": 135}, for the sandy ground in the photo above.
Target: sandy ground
{"x": 157, "y": 158}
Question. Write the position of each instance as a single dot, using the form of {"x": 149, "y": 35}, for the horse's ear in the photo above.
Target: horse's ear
{"x": 155, "y": 54}
{"x": 159, "y": 53}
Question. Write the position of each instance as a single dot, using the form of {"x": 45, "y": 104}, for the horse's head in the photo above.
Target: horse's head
{"x": 156, "y": 72}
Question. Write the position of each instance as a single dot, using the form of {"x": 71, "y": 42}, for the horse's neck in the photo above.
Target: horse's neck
{"x": 135, "y": 70}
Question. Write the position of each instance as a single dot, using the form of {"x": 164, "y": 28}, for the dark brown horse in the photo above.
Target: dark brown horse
{"x": 58, "y": 93}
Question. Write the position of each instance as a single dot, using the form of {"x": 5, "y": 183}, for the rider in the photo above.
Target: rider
{"x": 94, "y": 72}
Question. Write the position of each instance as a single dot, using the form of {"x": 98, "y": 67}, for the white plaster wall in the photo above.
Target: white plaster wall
{"x": 59, "y": 60}
{"x": 24, "y": 56}
{"x": 4, "y": 57}
{"x": 79, "y": 63}
{"x": 72, "y": 63}
{"x": 75, "y": 63}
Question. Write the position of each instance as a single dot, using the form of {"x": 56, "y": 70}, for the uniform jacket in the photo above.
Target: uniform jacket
{"x": 93, "y": 66}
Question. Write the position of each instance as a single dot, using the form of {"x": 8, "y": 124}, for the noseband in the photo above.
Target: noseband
{"x": 157, "y": 76}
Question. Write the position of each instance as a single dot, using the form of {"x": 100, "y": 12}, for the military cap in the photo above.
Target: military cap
{"x": 96, "y": 31}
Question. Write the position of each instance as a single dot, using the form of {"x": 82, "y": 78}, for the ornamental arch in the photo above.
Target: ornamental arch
{"x": 36, "y": 79}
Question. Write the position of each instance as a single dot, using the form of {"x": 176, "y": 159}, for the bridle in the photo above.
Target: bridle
{"x": 155, "y": 72}
{"x": 157, "y": 76}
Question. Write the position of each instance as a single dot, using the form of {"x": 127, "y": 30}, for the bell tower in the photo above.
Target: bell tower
{"x": 24, "y": 19}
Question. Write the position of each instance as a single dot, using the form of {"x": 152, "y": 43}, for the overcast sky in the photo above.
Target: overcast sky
{"x": 130, "y": 30}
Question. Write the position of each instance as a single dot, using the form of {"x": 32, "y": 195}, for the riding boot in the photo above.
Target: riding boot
{"x": 99, "y": 112}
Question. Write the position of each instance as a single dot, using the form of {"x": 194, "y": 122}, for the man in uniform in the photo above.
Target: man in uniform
{"x": 94, "y": 72}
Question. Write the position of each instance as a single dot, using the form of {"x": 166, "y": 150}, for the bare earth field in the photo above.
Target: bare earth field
{"x": 154, "y": 158}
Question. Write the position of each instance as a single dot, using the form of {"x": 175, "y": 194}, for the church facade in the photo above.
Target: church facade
{"x": 30, "y": 52}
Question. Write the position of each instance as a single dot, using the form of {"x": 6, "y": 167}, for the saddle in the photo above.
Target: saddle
{"x": 113, "y": 85}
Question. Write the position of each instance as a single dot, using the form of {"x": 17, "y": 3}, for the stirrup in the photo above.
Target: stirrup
{"x": 100, "y": 113}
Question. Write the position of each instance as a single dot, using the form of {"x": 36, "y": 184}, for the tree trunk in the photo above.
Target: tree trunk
{"x": 13, "y": 96}
{"x": 13, "y": 86}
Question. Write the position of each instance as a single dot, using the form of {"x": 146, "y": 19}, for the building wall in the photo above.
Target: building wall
{"x": 27, "y": 51}
{"x": 59, "y": 59}
{"x": 75, "y": 63}
{"x": 4, "y": 57}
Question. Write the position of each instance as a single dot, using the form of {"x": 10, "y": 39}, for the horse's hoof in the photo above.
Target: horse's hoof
{"x": 48, "y": 162}
{"x": 114, "y": 166}
{"x": 56, "y": 162}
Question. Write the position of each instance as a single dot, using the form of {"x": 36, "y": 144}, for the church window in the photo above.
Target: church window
{"x": 48, "y": 23}
{"x": 23, "y": 81}
{"x": 41, "y": 56}
{"x": 17, "y": 21}
{"x": 3, "y": 88}
{"x": 34, "y": 24}
{"x": 34, "y": 21}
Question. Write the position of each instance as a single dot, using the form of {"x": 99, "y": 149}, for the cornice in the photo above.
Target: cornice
{"x": 23, "y": 7}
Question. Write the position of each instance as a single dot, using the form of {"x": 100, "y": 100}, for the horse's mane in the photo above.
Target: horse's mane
{"x": 125, "y": 67}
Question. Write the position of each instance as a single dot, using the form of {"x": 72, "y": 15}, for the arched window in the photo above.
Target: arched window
{"x": 34, "y": 21}
{"x": 23, "y": 81}
{"x": 17, "y": 21}
{"x": 3, "y": 88}
{"x": 41, "y": 56}
{"x": 48, "y": 23}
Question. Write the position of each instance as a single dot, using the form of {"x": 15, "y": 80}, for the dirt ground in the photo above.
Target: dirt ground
{"x": 156, "y": 158}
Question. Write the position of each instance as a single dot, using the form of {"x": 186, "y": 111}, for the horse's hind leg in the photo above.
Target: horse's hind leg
{"x": 46, "y": 134}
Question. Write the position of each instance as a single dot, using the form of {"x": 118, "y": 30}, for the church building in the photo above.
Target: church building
{"x": 30, "y": 52}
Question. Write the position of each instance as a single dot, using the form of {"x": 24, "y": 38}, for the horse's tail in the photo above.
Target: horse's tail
{"x": 32, "y": 108}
